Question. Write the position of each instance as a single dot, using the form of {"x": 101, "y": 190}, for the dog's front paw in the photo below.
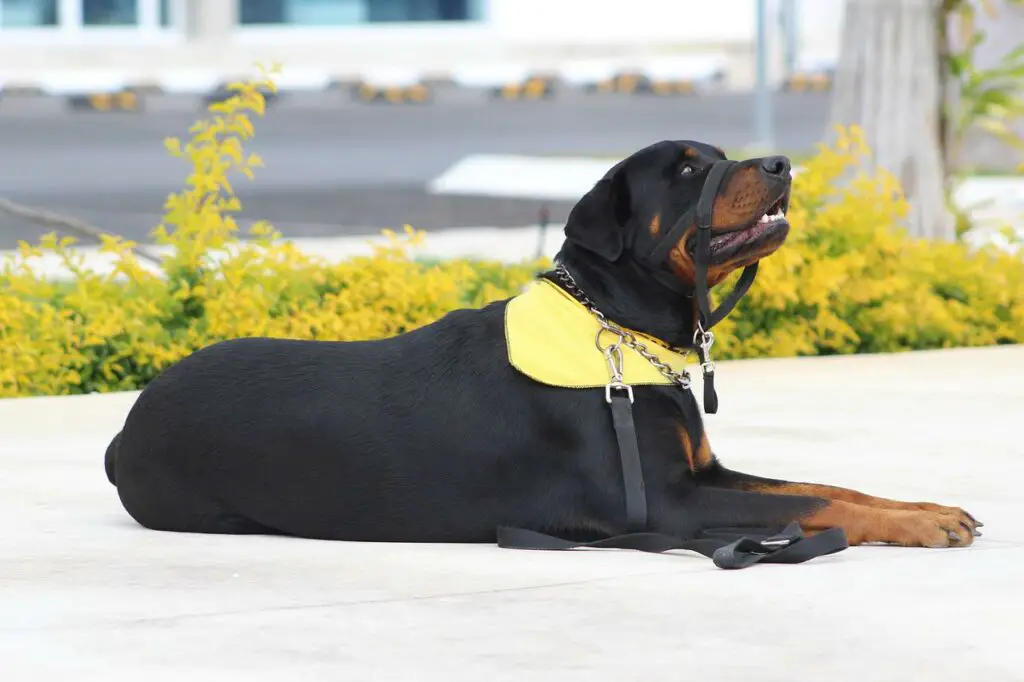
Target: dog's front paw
{"x": 961, "y": 515}
{"x": 925, "y": 528}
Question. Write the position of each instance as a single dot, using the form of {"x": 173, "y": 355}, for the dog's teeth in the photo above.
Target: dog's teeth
{"x": 769, "y": 217}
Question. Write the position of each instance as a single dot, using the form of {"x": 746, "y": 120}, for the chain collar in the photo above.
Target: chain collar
{"x": 613, "y": 351}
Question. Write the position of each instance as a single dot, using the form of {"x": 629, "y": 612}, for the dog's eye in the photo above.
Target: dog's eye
{"x": 686, "y": 170}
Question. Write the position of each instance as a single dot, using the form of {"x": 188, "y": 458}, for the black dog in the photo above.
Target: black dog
{"x": 434, "y": 435}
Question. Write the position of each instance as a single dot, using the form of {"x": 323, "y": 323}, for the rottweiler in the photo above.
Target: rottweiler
{"x": 443, "y": 434}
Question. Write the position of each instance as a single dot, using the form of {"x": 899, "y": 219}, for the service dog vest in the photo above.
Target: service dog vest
{"x": 550, "y": 338}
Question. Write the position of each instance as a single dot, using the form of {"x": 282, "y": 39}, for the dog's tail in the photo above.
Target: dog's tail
{"x": 110, "y": 459}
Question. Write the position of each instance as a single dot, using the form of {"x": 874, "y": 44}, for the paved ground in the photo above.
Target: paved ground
{"x": 334, "y": 168}
{"x": 86, "y": 594}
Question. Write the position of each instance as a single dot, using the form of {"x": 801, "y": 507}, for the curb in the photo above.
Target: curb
{"x": 674, "y": 76}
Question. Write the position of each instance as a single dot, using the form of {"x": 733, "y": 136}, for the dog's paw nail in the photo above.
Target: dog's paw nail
{"x": 979, "y": 524}
{"x": 978, "y": 533}
{"x": 955, "y": 537}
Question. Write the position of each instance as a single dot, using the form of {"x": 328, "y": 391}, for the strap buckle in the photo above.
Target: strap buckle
{"x": 775, "y": 543}
{"x": 618, "y": 386}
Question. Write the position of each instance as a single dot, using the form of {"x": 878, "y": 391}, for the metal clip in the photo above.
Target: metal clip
{"x": 704, "y": 340}
{"x": 613, "y": 354}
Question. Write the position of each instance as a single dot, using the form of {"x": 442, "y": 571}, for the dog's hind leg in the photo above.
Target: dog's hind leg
{"x": 169, "y": 505}
{"x": 161, "y": 499}
{"x": 110, "y": 459}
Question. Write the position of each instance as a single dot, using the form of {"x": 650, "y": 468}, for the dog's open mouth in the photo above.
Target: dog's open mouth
{"x": 769, "y": 230}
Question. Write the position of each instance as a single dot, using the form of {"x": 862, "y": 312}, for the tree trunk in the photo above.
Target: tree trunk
{"x": 888, "y": 82}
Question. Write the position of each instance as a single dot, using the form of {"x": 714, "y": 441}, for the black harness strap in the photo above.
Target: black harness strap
{"x": 629, "y": 455}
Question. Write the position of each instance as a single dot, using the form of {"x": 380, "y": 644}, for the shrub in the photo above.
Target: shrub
{"x": 847, "y": 281}
{"x": 116, "y": 331}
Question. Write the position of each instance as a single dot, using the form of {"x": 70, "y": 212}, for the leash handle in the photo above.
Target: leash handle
{"x": 729, "y": 549}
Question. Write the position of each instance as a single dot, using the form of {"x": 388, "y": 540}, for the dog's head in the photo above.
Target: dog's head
{"x": 643, "y": 196}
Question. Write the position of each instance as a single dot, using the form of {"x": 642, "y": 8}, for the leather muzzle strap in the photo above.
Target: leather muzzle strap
{"x": 702, "y": 215}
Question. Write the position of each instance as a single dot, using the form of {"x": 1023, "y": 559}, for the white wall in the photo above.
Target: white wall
{"x": 680, "y": 22}
{"x": 615, "y": 21}
{"x": 540, "y": 33}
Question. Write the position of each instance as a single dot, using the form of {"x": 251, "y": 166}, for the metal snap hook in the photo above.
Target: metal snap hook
{"x": 613, "y": 354}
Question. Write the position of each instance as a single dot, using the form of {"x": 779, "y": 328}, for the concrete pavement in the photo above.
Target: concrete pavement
{"x": 87, "y": 594}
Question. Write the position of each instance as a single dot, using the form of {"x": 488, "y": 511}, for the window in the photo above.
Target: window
{"x": 71, "y": 18}
{"x": 28, "y": 13}
{"x": 110, "y": 12}
{"x": 347, "y": 12}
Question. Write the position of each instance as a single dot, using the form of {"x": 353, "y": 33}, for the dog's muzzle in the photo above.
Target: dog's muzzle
{"x": 702, "y": 215}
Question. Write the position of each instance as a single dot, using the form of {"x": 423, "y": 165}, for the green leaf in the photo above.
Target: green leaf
{"x": 958, "y": 64}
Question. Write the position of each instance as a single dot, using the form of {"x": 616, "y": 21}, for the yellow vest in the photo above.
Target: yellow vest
{"x": 550, "y": 338}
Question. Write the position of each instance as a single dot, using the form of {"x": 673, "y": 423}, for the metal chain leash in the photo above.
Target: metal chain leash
{"x": 613, "y": 352}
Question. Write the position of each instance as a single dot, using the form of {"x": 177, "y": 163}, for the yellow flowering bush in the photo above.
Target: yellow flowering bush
{"x": 847, "y": 281}
{"x": 117, "y": 330}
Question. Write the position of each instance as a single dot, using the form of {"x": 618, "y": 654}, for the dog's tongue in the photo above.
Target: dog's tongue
{"x": 739, "y": 236}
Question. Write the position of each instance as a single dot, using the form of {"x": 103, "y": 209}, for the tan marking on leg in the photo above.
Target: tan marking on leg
{"x": 909, "y": 528}
{"x": 703, "y": 457}
{"x": 698, "y": 459}
{"x": 684, "y": 440}
{"x": 831, "y": 492}
{"x": 655, "y": 226}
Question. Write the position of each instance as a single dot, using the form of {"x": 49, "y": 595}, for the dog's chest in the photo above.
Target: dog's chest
{"x": 551, "y": 338}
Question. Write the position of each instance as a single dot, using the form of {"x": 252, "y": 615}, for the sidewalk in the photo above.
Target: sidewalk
{"x": 88, "y": 595}
{"x": 993, "y": 201}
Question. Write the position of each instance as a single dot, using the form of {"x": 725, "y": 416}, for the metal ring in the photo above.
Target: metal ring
{"x": 604, "y": 349}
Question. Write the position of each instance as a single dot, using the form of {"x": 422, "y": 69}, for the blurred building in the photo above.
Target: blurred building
{"x": 140, "y": 40}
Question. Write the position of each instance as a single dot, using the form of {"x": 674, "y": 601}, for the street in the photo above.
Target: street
{"x": 335, "y": 168}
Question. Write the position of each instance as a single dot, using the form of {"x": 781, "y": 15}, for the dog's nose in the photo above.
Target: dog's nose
{"x": 775, "y": 165}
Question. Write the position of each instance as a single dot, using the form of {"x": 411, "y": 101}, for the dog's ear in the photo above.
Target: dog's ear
{"x": 598, "y": 220}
